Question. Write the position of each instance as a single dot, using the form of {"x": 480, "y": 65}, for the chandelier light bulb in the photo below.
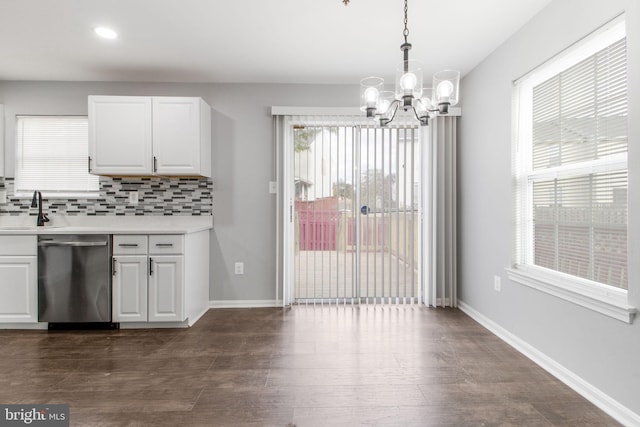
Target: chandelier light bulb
{"x": 408, "y": 81}
{"x": 444, "y": 89}
{"x": 371, "y": 95}
{"x": 425, "y": 100}
{"x": 370, "y": 88}
{"x": 383, "y": 106}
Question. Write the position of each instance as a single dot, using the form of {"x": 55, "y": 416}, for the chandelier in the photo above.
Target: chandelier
{"x": 409, "y": 93}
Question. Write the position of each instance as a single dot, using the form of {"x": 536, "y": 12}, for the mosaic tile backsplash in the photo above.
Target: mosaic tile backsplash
{"x": 156, "y": 196}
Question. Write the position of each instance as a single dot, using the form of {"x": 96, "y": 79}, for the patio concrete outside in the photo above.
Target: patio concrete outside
{"x": 331, "y": 274}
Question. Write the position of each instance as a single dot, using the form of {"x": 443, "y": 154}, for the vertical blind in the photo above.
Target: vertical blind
{"x": 356, "y": 211}
{"x": 442, "y": 212}
{"x": 51, "y": 155}
{"x": 578, "y": 178}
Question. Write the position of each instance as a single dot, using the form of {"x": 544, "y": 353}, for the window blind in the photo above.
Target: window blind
{"x": 51, "y": 156}
{"x": 580, "y": 114}
{"x": 579, "y": 131}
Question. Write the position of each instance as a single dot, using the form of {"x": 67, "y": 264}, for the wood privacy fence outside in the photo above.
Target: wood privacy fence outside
{"x": 395, "y": 232}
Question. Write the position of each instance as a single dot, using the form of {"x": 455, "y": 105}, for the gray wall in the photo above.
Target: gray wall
{"x": 601, "y": 350}
{"x": 243, "y": 161}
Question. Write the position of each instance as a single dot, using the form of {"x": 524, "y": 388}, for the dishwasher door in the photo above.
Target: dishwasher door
{"x": 74, "y": 278}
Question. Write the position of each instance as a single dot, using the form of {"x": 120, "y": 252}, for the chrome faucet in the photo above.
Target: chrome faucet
{"x": 36, "y": 201}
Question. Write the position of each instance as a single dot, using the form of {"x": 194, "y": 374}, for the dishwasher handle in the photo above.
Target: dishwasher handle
{"x": 72, "y": 244}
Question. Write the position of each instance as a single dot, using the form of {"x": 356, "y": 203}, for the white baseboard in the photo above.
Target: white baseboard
{"x": 603, "y": 401}
{"x": 245, "y": 303}
{"x": 154, "y": 325}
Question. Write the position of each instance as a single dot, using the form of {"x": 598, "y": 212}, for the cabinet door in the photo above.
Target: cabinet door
{"x": 130, "y": 288}
{"x": 176, "y": 136}
{"x": 166, "y": 288}
{"x": 18, "y": 289}
{"x": 120, "y": 133}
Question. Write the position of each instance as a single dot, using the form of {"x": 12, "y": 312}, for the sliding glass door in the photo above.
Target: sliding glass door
{"x": 354, "y": 213}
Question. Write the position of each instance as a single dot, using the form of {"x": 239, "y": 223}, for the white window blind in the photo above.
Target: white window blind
{"x": 51, "y": 156}
{"x": 573, "y": 172}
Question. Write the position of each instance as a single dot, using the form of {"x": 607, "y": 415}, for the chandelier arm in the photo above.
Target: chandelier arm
{"x": 395, "y": 104}
{"x": 415, "y": 113}
{"x": 424, "y": 121}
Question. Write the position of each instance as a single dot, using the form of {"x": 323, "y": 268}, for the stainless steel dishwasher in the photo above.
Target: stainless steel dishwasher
{"x": 74, "y": 278}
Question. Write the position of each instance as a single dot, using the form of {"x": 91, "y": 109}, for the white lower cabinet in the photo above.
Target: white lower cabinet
{"x": 18, "y": 279}
{"x": 130, "y": 279}
{"x": 166, "y": 288}
{"x": 18, "y": 289}
{"x": 129, "y": 288}
{"x": 150, "y": 280}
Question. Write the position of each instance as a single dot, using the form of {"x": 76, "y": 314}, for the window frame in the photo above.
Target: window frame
{"x": 49, "y": 194}
{"x": 602, "y": 298}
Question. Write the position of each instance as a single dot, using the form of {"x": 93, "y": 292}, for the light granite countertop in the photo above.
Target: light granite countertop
{"x": 60, "y": 224}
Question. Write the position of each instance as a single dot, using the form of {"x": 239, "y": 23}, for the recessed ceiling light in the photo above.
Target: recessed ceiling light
{"x": 106, "y": 33}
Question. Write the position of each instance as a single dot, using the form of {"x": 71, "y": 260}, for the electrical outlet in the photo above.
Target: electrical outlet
{"x": 133, "y": 198}
{"x": 239, "y": 268}
{"x": 496, "y": 283}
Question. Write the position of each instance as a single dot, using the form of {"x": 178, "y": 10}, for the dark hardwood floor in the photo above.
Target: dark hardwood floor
{"x": 369, "y": 366}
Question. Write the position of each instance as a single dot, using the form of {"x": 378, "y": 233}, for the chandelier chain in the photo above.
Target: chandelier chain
{"x": 406, "y": 20}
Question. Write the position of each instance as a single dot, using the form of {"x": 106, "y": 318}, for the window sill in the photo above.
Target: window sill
{"x": 54, "y": 195}
{"x": 603, "y": 299}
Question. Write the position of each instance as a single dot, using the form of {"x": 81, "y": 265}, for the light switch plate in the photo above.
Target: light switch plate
{"x": 239, "y": 267}
{"x": 273, "y": 187}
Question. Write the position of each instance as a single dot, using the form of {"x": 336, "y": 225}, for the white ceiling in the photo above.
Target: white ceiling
{"x": 279, "y": 41}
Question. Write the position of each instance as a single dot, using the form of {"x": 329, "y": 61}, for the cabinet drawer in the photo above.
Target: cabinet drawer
{"x": 19, "y": 245}
{"x": 166, "y": 244}
{"x": 129, "y": 245}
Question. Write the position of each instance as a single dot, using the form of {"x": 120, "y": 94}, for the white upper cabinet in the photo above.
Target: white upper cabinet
{"x": 120, "y": 131}
{"x": 181, "y": 136}
{"x": 145, "y": 136}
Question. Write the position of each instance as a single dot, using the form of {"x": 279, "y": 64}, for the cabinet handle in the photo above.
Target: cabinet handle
{"x": 128, "y": 245}
{"x": 164, "y": 245}
{"x": 113, "y": 266}
{"x": 89, "y": 164}
{"x": 155, "y": 164}
{"x": 150, "y": 266}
